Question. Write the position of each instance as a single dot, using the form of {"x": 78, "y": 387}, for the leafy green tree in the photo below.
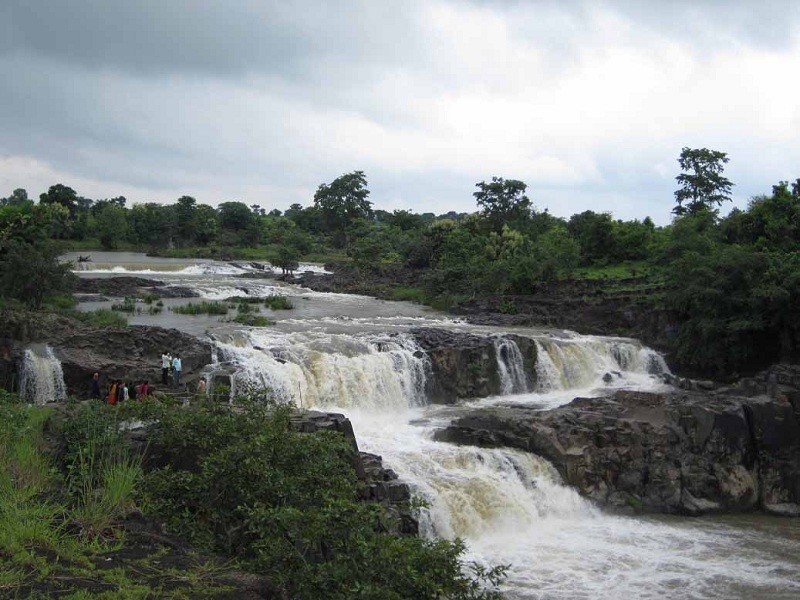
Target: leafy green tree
{"x": 61, "y": 194}
{"x": 18, "y": 196}
{"x": 341, "y": 202}
{"x": 186, "y": 217}
{"x": 206, "y": 224}
{"x": 112, "y": 225}
{"x": 502, "y": 201}
{"x": 702, "y": 186}
{"x": 29, "y": 265}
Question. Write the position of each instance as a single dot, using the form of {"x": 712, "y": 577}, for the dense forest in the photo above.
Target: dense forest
{"x": 732, "y": 282}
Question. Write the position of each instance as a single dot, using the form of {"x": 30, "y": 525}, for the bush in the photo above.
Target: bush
{"x": 285, "y": 505}
{"x": 252, "y": 320}
{"x": 128, "y": 305}
{"x": 103, "y": 317}
{"x": 202, "y": 308}
{"x": 276, "y": 302}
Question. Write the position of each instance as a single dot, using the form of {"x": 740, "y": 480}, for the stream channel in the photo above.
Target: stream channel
{"x": 352, "y": 354}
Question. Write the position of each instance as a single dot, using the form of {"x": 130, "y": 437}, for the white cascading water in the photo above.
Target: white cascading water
{"x": 509, "y": 506}
{"x": 332, "y": 370}
{"x": 510, "y": 366}
{"x": 41, "y": 379}
{"x": 566, "y": 363}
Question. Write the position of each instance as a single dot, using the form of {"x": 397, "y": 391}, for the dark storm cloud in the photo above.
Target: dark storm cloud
{"x": 155, "y": 37}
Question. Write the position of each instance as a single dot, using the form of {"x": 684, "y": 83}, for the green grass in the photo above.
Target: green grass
{"x": 128, "y": 305}
{"x": 102, "y": 317}
{"x": 201, "y": 308}
{"x": 408, "y": 294}
{"x": 58, "y": 303}
{"x": 60, "y": 524}
{"x": 251, "y": 320}
{"x": 278, "y": 302}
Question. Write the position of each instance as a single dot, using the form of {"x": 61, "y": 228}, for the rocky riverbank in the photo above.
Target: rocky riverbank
{"x": 685, "y": 452}
{"x": 130, "y": 353}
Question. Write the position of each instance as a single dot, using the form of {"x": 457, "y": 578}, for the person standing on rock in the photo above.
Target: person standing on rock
{"x": 95, "y": 392}
{"x": 176, "y": 370}
{"x": 122, "y": 394}
{"x": 112, "y": 393}
{"x": 166, "y": 363}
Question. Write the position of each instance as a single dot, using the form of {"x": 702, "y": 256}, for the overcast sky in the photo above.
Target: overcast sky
{"x": 588, "y": 102}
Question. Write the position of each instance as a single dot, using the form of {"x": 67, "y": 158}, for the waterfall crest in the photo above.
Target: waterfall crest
{"x": 564, "y": 363}
{"x": 510, "y": 366}
{"x": 388, "y": 372}
{"x": 41, "y": 379}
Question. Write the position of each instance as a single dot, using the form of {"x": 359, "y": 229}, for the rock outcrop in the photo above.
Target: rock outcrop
{"x": 466, "y": 365}
{"x": 130, "y": 353}
{"x": 682, "y": 452}
{"x": 131, "y": 286}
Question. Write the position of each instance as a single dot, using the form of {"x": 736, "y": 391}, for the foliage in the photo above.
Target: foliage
{"x": 276, "y": 302}
{"x": 251, "y": 320}
{"x": 128, "y": 305}
{"x": 285, "y": 504}
{"x": 341, "y": 203}
{"x": 102, "y": 317}
{"x": 502, "y": 201}
{"x": 702, "y": 186}
{"x": 201, "y": 308}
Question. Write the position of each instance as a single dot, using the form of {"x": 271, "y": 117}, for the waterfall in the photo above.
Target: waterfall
{"x": 510, "y": 366}
{"x": 41, "y": 379}
{"x": 332, "y": 370}
{"x": 564, "y": 363}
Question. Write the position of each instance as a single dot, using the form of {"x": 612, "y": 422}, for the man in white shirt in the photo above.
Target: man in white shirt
{"x": 176, "y": 370}
{"x": 166, "y": 363}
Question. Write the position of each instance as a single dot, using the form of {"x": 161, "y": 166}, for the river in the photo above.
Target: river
{"x": 352, "y": 354}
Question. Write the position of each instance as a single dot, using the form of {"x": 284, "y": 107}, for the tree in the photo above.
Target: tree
{"x": 342, "y": 202}
{"x": 61, "y": 194}
{"x": 702, "y": 186}
{"x": 502, "y": 201}
{"x": 18, "y": 196}
{"x": 112, "y": 225}
{"x": 186, "y": 214}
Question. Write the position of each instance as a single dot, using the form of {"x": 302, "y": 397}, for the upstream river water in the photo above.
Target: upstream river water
{"x": 352, "y": 354}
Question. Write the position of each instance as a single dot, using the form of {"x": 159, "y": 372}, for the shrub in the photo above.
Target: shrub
{"x": 202, "y": 308}
{"x": 103, "y": 317}
{"x": 252, "y": 320}
{"x": 128, "y": 305}
{"x": 276, "y": 302}
{"x": 285, "y": 504}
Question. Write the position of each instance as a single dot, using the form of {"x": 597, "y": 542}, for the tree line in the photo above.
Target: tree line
{"x": 731, "y": 282}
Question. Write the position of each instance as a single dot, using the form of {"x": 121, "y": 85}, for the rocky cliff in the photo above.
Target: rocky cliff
{"x": 466, "y": 366}
{"x": 681, "y": 452}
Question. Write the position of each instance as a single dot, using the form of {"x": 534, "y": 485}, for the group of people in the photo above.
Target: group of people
{"x": 120, "y": 391}
{"x": 171, "y": 365}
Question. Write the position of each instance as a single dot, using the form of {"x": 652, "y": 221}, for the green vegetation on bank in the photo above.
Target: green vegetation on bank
{"x": 78, "y": 508}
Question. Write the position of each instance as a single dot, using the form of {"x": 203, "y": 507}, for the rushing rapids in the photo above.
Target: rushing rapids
{"x": 360, "y": 356}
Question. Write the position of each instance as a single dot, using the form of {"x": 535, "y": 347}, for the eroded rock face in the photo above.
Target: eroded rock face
{"x": 466, "y": 366}
{"x": 129, "y": 353}
{"x": 682, "y": 452}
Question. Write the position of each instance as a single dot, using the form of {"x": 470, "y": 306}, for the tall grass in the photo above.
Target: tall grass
{"x": 201, "y": 308}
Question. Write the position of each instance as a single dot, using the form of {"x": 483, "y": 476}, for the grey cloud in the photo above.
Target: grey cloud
{"x": 154, "y": 37}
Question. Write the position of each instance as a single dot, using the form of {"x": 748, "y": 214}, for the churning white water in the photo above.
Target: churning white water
{"x": 510, "y": 366}
{"x": 41, "y": 379}
{"x": 508, "y": 505}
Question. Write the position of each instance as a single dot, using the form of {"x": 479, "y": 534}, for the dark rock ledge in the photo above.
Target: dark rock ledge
{"x": 683, "y": 452}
